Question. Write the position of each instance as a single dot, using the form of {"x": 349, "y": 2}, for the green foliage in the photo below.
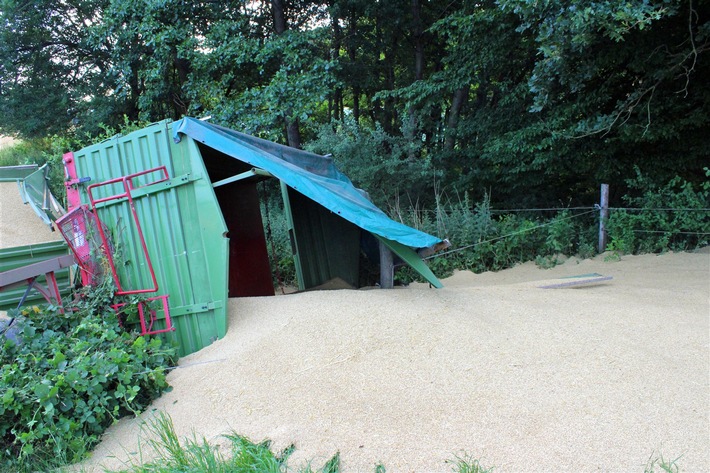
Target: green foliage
{"x": 657, "y": 464}
{"x": 278, "y": 243}
{"x": 53, "y": 77}
{"x": 483, "y": 241}
{"x": 532, "y": 102}
{"x": 40, "y": 152}
{"x": 377, "y": 161}
{"x": 468, "y": 464}
{"x": 293, "y": 81}
{"x": 65, "y": 377}
{"x": 244, "y": 455}
{"x": 561, "y": 233}
{"x": 50, "y": 150}
{"x": 24, "y": 152}
{"x": 671, "y": 217}
{"x": 197, "y": 455}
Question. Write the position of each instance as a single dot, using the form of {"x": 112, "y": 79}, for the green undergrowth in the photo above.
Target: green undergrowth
{"x": 672, "y": 217}
{"x": 38, "y": 151}
{"x": 66, "y": 377}
{"x": 483, "y": 240}
{"x": 241, "y": 455}
{"x": 654, "y": 219}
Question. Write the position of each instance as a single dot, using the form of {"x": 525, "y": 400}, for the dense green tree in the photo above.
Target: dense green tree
{"x": 49, "y": 65}
{"x": 546, "y": 100}
{"x": 531, "y": 102}
{"x": 620, "y": 84}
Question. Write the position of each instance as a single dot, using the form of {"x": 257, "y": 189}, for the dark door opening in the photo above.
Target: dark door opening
{"x": 249, "y": 270}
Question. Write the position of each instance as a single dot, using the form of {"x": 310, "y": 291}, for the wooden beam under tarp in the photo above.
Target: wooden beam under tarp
{"x": 410, "y": 257}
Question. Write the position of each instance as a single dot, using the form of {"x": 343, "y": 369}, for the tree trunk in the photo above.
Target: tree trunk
{"x": 183, "y": 68}
{"x": 356, "y": 104}
{"x": 351, "y": 35}
{"x": 417, "y": 34}
{"x": 277, "y": 10}
{"x": 389, "y": 113}
{"x": 457, "y": 103}
{"x": 334, "y": 53}
{"x": 293, "y": 132}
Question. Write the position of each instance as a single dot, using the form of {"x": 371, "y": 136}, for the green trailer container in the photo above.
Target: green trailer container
{"x": 179, "y": 205}
{"x": 181, "y": 222}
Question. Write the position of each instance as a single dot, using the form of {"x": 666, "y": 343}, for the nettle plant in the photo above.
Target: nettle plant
{"x": 66, "y": 377}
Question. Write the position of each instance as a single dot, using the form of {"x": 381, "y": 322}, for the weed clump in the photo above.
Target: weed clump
{"x": 66, "y": 377}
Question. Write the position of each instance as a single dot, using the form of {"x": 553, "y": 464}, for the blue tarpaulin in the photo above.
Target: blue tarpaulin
{"x": 312, "y": 175}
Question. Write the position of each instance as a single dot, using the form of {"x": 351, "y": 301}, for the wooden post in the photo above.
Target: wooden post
{"x": 603, "y": 216}
{"x": 386, "y": 267}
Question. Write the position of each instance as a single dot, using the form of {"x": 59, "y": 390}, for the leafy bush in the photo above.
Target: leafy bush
{"x": 487, "y": 242}
{"x": 65, "y": 378}
{"x": 38, "y": 151}
{"x": 278, "y": 242}
{"x": 23, "y": 152}
{"x": 672, "y": 217}
{"x": 50, "y": 150}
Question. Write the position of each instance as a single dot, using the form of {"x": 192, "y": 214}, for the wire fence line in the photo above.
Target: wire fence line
{"x": 643, "y": 209}
{"x": 586, "y": 211}
{"x": 672, "y": 231}
{"x": 547, "y": 209}
{"x": 508, "y": 235}
{"x": 560, "y": 209}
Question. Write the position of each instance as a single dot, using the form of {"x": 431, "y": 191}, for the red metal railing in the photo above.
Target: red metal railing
{"x": 127, "y": 182}
{"x": 81, "y": 226}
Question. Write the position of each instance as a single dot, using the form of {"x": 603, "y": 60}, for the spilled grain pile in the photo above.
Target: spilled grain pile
{"x": 524, "y": 378}
{"x": 19, "y": 225}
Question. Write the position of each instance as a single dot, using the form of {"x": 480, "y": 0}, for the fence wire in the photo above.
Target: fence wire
{"x": 588, "y": 210}
{"x": 560, "y": 209}
{"x": 519, "y": 232}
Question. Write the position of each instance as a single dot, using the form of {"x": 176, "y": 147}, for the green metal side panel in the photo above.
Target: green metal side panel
{"x": 182, "y": 224}
{"x": 14, "y": 173}
{"x": 18, "y": 256}
{"x": 326, "y": 245}
{"x": 411, "y": 257}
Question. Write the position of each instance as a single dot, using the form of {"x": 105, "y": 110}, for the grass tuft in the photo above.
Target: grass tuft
{"x": 245, "y": 456}
{"x": 467, "y": 464}
{"x": 657, "y": 464}
{"x": 197, "y": 455}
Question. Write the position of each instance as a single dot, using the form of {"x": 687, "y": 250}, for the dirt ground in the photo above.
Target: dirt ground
{"x": 595, "y": 378}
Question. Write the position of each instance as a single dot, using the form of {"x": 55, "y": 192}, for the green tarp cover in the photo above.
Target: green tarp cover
{"x": 312, "y": 175}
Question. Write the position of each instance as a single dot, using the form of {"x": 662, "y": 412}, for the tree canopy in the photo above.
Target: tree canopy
{"x": 532, "y": 102}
